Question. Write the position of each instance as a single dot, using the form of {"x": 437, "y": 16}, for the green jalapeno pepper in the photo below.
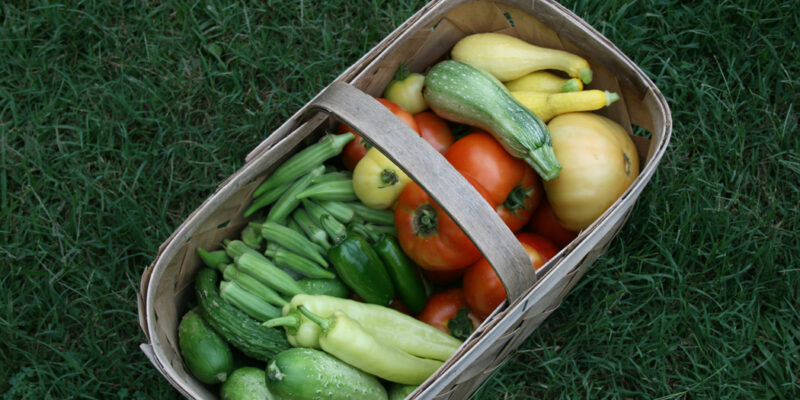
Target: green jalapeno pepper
{"x": 404, "y": 274}
{"x": 348, "y": 341}
{"x": 360, "y": 268}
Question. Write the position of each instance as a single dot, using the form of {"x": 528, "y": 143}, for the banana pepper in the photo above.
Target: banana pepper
{"x": 394, "y": 328}
{"x": 348, "y": 341}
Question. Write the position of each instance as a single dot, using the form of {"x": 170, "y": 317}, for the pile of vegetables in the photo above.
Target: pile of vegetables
{"x": 350, "y": 281}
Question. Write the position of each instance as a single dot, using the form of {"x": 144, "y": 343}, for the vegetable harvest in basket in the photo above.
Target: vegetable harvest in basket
{"x": 347, "y": 274}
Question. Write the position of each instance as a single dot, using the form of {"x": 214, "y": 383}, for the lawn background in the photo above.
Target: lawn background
{"x": 118, "y": 118}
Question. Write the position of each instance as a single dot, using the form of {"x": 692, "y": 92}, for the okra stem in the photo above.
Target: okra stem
{"x": 305, "y": 160}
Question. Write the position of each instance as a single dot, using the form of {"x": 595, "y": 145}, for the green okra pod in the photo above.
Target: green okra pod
{"x": 285, "y": 258}
{"x": 384, "y": 217}
{"x": 305, "y": 160}
{"x": 332, "y": 190}
{"x": 294, "y": 241}
{"x": 252, "y": 285}
{"x": 251, "y": 304}
{"x": 266, "y": 198}
{"x": 313, "y": 230}
{"x": 338, "y": 209}
{"x": 261, "y": 268}
{"x": 288, "y": 200}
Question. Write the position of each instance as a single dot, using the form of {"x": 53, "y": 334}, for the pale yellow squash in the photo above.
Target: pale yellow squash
{"x": 599, "y": 161}
{"x": 543, "y": 81}
{"x": 548, "y": 105}
{"x": 508, "y": 58}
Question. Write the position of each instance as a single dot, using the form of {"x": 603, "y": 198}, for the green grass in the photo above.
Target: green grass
{"x": 118, "y": 118}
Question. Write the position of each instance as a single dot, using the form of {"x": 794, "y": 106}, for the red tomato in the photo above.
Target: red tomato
{"x": 356, "y": 148}
{"x": 519, "y": 206}
{"x": 428, "y": 235}
{"x": 442, "y": 309}
{"x": 512, "y": 183}
{"x": 434, "y": 130}
{"x": 544, "y": 223}
{"x": 482, "y": 287}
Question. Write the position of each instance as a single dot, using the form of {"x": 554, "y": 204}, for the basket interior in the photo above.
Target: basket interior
{"x": 418, "y": 49}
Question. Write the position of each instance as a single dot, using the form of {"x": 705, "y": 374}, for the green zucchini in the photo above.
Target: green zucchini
{"x": 305, "y": 374}
{"x": 246, "y": 383}
{"x": 208, "y": 357}
{"x": 236, "y": 327}
{"x": 462, "y": 93}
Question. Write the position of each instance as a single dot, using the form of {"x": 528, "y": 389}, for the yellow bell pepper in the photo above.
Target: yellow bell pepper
{"x": 377, "y": 182}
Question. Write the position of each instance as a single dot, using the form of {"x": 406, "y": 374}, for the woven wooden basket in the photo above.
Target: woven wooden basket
{"x": 419, "y": 42}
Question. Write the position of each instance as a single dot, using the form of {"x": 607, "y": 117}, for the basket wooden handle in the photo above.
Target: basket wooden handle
{"x": 422, "y": 163}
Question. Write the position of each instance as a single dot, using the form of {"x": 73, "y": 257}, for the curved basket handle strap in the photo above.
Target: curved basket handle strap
{"x": 429, "y": 169}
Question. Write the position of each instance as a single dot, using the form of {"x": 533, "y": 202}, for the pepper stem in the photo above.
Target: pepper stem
{"x": 323, "y": 323}
{"x": 290, "y": 321}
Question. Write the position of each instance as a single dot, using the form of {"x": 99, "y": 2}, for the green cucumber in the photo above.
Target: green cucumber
{"x": 208, "y": 357}
{"x": 462, "y": 93}
{"x": 304, "y": 374}
{"x": 236, "y": 327}
{"x": 246, "y": 383}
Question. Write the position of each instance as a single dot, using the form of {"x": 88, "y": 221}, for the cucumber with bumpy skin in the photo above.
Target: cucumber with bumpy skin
{"x": 236, "y": 327}
{"x": 461, "y": 93}
{"x": 305, "y": 374}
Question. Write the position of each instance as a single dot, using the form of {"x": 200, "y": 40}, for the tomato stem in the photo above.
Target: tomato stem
{"x": 426, "y": 220}
{"x": 516, "y": 200}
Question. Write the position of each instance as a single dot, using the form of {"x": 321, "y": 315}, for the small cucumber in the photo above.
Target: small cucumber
{"x": 208, "y": 357}
{"x": 246, "y": 383}
{"x": 305, "y": 374}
